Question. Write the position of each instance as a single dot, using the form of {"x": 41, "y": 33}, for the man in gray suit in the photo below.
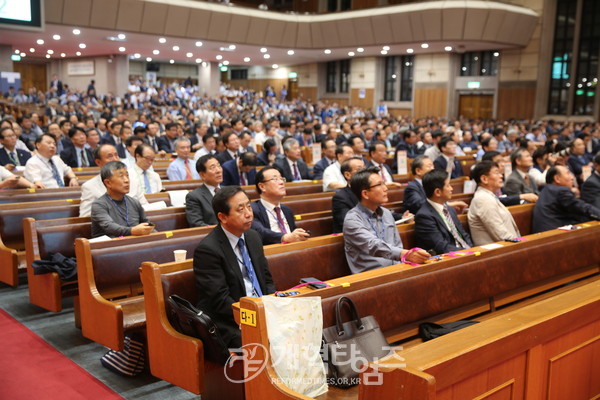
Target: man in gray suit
{"x": 198, "y": 203}
{"x": 518, "y": 182}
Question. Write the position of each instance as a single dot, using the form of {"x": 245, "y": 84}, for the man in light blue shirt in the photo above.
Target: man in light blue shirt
{"x": 181, "y": 168}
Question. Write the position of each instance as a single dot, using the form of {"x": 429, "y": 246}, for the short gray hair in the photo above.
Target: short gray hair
{"x": 179, "y": 140}
{"x": 289, "y": 143}
{"x": 108, "y": 169}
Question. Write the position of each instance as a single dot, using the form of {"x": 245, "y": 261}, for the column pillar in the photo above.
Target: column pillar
{"x": 209, "y": 78}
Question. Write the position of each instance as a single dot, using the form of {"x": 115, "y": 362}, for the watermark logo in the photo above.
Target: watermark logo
{"x": 342, "y": 357}
{"x": 252, "y": 366}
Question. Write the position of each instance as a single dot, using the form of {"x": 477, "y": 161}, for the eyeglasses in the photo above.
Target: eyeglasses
{"x": 275, "y": 179}
{"x": 377, "y": 184}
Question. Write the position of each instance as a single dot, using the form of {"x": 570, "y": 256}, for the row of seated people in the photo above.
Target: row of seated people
{"x": 370, "y": 233}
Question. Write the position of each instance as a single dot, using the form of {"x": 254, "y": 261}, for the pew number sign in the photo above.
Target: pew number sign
{"x": 248, "y": 317}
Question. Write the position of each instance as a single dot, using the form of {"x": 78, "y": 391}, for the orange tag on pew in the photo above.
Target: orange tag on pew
{"x": 248, "y": 317}
{"x": 78, "y": 169}
{"x": 31, "y": 190}
{"x": 315, "y": 181}
{"x": 69, "y": 200}
{"x": 463, "y": 162}
{"x": 297, "y": 217}
{"x": 168, "y": 234}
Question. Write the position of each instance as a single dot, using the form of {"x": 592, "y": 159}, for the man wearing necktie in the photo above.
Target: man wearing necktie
{"x": 273, "y": 220}
{"x": 518, "y": 182}
{"x": 436, "y": 224}
{"x": 10, "y": 156}
{"x": 229, "y": 263}
{"x": 292, "y": 167}
{"x": 181, "y": 168}
{"x": 77, "y": 156}
{"x": 240, "y": 172}
{"x": 46, "y": 169}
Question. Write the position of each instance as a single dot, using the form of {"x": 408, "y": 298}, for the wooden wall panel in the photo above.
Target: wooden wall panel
{"x": 32, "y": 75}
{"x": 430, "y": 102}
{"x": 308, "y": 92}
{"x": 365, "y": 103}
{"x": 516, "y": 102}
{"x": 342, "y": 102}
{"x": 400, "y": 112}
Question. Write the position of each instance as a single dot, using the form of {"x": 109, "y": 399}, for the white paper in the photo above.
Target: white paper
{"x": 491, "y": 246}
{"x": 159, "y": 205}
{"x": 177, "y": 197}
{"x": 469, "y": 186}
{"x": 102, "y": 238}
{"x": 402, "y": 161}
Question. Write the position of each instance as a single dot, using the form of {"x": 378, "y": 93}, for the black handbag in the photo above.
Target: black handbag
{"x": 190, "y": 321}
{"x": 349, "y": 345}
{"x": 431, "y": 330}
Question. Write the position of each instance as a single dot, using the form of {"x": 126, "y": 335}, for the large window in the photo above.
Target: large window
{"x": 562, "y": 55}
{"x": 338, "y": 76}
{"x": 241, "y": 74}
{"x": 587, "y": 63}
{"x": 479, "y": 63}
{"x": 398, "y": 78}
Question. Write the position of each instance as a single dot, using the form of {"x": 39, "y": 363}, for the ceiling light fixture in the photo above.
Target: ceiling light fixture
{"x": 409, "y": 51}
{"x": 40, "y": 41}
{"x": 162, "y": 40}
{"x": 386, "y": 48}
{"x": 175, "y": 48}
{"x": 121, "y": 36}
{"x": 198, "y": 44}
{"x": 448, "y": 48}
{"x": 171, "y": 61}
{"x": 137, "y": 55}
{"x": 63, "y": 55}
{"x": 188, "y": 55}
{"x": 56, "y": 37}
{"x": 424, "y": 45}
{"x": 360, "y": 49}
{"x": 50, "y": 51}
{"x": 32, "y": 50}
{"x": 246, "y": 59}
{"x": 275, "y": 66}
{"x": 155, "y": 52}
{"x": 149, "y": 59}
{"x": 198, "y": 60}
{"x": 47, "y": 55}
{"x": 263, "y": 49}
{"x": 266, "y": 56}
{"x": 351, "y": 53}
{"x": 290, "y": 52}
{"x": 327, "y": 51}
{"x": 225, "y": 62}
{"x": 384, "y": 52}
{"x": 232, "y": 47}
{"x": 78, "y": 53}
{"x": 121, "y": 49}
{"x": 76, "y": 31}
{"x": 219, "y": 57}
{"x": 82, "y": 45}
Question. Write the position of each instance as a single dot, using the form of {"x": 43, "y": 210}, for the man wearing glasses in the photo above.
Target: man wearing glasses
{"x": 141, "y": 175}
{"x": 371, "y": 239}
{"x": 273, "y": 220}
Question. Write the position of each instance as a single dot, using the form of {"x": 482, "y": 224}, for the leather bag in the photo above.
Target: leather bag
{"x": 347, "y": 346}
{"x": 190, "y": 321}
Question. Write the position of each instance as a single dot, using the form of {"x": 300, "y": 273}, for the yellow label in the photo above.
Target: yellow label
{"x": 315, "y": 181}
{"x": 463, "y": 162}
{"x": 297, "y": 217}
{"x": 168, "y": 234}
{"x": 79, "y": 169}
{"x": 346, "y": 284}
{"x": 477, "y": 253}
{"x": 69, "y": 200}
{"x": 248, "y": 317}
{"x": 31, "y": 190}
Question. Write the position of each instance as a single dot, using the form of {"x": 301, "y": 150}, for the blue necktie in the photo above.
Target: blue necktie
{"x": 146, "y": 182}
{"x": 249, "y": 268}
{"x": 55, "y": 174}
{"x": 14, "y": 159}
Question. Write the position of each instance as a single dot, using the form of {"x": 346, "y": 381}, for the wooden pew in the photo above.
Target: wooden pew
{"x": 543, "y": 350}
{"x": 58, "y": 236}
{"x": 12, "y": 240}
{"x": 11, "y": 231}
{"x": 452, "y": 289}
{"x": 110, "y": 293}
{"x": 321, "y": 257}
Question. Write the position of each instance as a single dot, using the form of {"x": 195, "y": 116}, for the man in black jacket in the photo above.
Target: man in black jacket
{"x": 272, "y": 220}
{"x": 230, "y": 263}
{"x": 344, "y": 200}
{"x": 557, "y": 205}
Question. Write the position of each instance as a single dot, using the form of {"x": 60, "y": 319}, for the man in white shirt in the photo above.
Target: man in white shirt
{"x": 181, "y": 168}
{"x": 332, "y": 177}
{"x": 46, "y": 169}
{"x": 94, "y": 188}
{"x": 141, "y": 174}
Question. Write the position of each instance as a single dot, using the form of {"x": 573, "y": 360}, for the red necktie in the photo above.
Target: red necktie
{"x": 188, "y": 171}
{"x": 280, "y": 220}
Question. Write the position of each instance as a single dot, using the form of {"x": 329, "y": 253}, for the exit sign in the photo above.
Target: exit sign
{"x": 474, "y": 85}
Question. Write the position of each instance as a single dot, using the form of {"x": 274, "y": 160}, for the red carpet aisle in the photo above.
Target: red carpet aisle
{"x": 32, "y": 369}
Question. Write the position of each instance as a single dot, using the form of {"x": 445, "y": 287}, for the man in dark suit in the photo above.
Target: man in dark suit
{"x": 273, "y": 220}
{"x": 10, "y": 156}
{"x": 232, "y": 148}
{"x": 344, "y": 199}
{"x": 77, "y": 156}
{"x": 230, "y": 263}
{"x": 557, "y": 205}
{"x": 409, "y": 144}
{"x": 328, "y": 158}
{"x": 414, "y": 194}
{"x": 166, "y": 143}
{"x": 292, "y": 167}
{"x": 518, "y": 181}
{"x": 590, "y": 190}
{"x": 436, "y": 224}
{"x": 447, "y": 161}
{"x": 378, "y": 154}
{"x": 240, "y": 172}
{"x": 198, "y": 203}
{"x": 57, "y": 85}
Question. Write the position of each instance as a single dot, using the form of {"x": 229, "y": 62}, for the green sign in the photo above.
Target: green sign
{"x": 474, "y": 85}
